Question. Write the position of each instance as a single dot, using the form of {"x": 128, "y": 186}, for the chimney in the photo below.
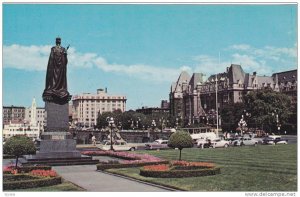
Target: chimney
{"x": 227, "y": 69}
{"x": 105, "y": 89}
{"x": 254, "y": 73}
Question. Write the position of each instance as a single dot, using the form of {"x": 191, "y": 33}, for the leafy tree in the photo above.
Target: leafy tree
{"x": 18, "y": 146}
{"x": 231, "y": 115}
{"x": 180, "y": 140}
{"x": 264, "y": 105}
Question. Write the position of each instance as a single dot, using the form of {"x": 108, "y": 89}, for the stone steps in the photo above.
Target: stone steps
{"x": 84, "y": 160}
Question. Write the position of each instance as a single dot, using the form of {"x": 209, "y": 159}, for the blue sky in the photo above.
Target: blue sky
{"x": 139, "y": 50}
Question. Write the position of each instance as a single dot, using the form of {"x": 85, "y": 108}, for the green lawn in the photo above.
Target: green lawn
{"x": 260, "y": 168}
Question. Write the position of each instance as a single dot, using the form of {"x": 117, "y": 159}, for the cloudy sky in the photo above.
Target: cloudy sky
{"x": 139, "y": 50}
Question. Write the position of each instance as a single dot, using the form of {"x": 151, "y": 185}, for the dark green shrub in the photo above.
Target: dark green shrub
{"x": 180, "y": 140}
{"x": 180, "y": 173}
{"x": 31, "y": 183}
{"x": 18, "y": 146}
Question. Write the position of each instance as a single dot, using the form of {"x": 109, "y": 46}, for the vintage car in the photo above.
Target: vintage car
{"x": 118, "y": 145}
{"x": 274, "y": 139}
{"x": 218, "y": 143}
{"x": 203, "y": 143}
{"x": 157, "y": 144}
{"x": 246, "y": 141}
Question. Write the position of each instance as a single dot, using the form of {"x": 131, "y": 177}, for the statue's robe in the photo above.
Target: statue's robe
{"x": 56, "y": 78}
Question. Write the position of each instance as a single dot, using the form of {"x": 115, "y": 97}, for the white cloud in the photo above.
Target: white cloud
{"x": 242, "y": 47}
{"x": 26, "y": 57}
{"x": 36, "y": 58}
{"x": 209, "y": 65}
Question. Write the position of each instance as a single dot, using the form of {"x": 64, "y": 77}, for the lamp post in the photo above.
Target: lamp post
{"x": 111, "y": 123}
{"x": 153, "y": 124}
{"x": 277, "y": 121}
{"x": 162, "y": 120}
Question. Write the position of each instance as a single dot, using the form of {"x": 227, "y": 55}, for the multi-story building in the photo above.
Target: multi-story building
{"x": 86, "y": 106}
{"x": 35, "y": 116}
{"x": 191, "y": 97}
{"x": 165, "y": 104}
{"x": 32, "y": 125}
{"x": 13, "y": 114}
{"x": 153, "y": 110}
{"x": 231, "y": 86}
{"x": 176, "y": 95}
{"x": 287, "y": 82}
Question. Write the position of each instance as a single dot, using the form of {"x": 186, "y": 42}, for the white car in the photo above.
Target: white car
{"x": 203, "y": 143}
{"x": 157, "y": 144}
{"x": 218, "y": 143}
{"x": 117, "y": 146}
{"x": 246, "y": 141}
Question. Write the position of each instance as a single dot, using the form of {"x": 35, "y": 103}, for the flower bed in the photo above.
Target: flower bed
{"x": 28, "y": 177}
{"x": 179, "y": 169}
{"x": 131, "y": 159}
{"x": 10, "y": 169}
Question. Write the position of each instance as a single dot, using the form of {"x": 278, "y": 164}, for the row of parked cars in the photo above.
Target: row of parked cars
{"x": 121, "y": 145}
{"x": 240, "y": 141}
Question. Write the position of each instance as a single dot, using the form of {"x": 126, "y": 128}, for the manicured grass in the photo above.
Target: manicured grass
{"x": 64, "y": 186}
{"x": 260, "y": 168}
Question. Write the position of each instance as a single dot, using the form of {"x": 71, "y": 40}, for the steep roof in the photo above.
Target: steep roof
{"x": 235, "y": 73}
{"x": 196, "y": 78}
{"x": 183, "y": 77}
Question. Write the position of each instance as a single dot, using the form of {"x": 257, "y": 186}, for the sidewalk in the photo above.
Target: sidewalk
{"x": 88, "y": 178}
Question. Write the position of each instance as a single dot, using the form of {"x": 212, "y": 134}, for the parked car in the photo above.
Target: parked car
{"x": 244, "y": 141}
{"x": 204, "y": 143}
{"x": 268, "y": 141}
{"x": 280, "y": 141}
{"x": 157, "y": 144}
{"x": 274, "y": 139}
{"x": 237, "y": 141}
{"x": 217, "y": 143}
{"x": 118, "y": 145}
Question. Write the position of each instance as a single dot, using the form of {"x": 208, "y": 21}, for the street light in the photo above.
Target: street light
{"x": 153, "y": 124}
{"x": 277, "y": 121}
{"x": 111, "y": 123}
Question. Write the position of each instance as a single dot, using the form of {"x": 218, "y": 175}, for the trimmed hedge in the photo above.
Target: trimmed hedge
{"x": 29, "y": 183}
{"x": 180, "y": 173}
{"x": 130, "y": 165}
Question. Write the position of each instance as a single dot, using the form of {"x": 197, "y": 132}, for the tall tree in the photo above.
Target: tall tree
{"x": 231, "y": 115}
{"x": 267, "y": 107}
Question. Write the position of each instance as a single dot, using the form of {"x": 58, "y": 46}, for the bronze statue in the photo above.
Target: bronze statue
{"x": 56, "y": 79}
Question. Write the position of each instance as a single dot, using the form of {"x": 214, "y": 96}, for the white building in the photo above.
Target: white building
{"x": 87, "y": 106}
{"x": 35, "y": 116}
{"x": 21, "y": 129}
{"x": 32, "y": 126}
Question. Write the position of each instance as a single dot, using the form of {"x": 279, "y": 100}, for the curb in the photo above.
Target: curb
{"x": 139, "y": 181}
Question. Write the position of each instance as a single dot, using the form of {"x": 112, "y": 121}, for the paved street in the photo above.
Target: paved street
{"x": 87, "y": 177}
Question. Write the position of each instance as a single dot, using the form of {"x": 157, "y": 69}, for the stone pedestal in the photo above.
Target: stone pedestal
{"x": 56, "y": 141}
